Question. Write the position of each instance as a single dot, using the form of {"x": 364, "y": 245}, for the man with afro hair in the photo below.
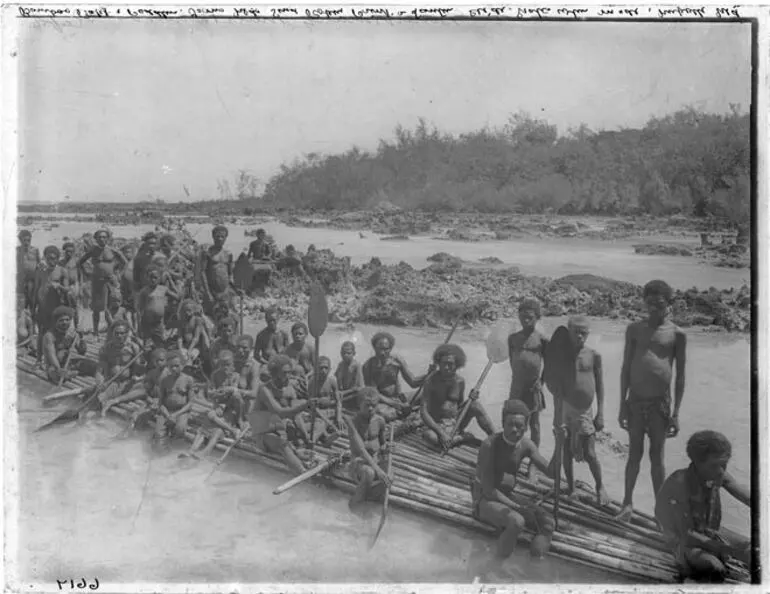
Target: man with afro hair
{"x": 689, "y": 509}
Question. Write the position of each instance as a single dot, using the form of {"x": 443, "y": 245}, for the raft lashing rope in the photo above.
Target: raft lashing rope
{"x": 428, "y": 484}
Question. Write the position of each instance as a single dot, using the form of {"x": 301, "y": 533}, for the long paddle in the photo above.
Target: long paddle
{"x": 236, "y": 441}
{"x": 416, "y": 398}
{"x": 308, "y": 474}
{"x": 242, "y": 276}
{"x": 387, "y": 489}
{"x": 558, "y": 372}
{"x": 317, "y": 319}
{"x": 73, "y": 413}
{"x": 497, "y": 352}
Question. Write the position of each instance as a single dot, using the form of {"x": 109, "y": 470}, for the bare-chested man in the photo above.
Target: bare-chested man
{"x": 63, "y": 349}
{"x": 117, "y": 352}
{"x": 526, "y": 349}
{"x": 270, "y": 340}
{"x": 27, "y": 261}
{"x": 25, "y": 326}
{"x": 176, "y": 393}
{"x": 574, "y": 407}
{"x": 48, "y": 292}
{"x": 248, "y": 370}
{"x": 444, "y": 397}
{"x": 350, "y": 377}
{"x": 301, "y": 352}
{"x": 260, "y": 248}
{"x": 71, "y": 275}
{"x": 152, "y": 305}
{"x": 492, "y": 490}
{"x": 654, "y": 347}
{"x": 217, "y": 271}
{"x": 193, "y": 340}
{"x": 382, "y": 371}
{"x": 272, "y": 417}
{"x": 143, "y": 259}
{"x": 105, "y": 288}
{"x": 225, "y": 339}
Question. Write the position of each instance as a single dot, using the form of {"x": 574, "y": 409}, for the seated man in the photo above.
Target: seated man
{"x": 350, "y": 377}
{"x": 62, "y": 344}
{"x": 327, "y": 405}
{"x": 443, "y": 398}
{"x": 273, "y": 413}
{"x": 118, "y": 351}
{"x": 147, "y": 393}
{"x": 689, "y": 509}
{"x": 494, "y": 502}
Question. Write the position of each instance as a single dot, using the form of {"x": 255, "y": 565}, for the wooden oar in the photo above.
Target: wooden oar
{"x": 307, "y": 475}
{"x": 317, "y": 319}
{"x": 497, "y": 351}
{"x": 242, "y": 276}
{"x": 415, "y": 399}
{"x": 559, "y": 370}
{"x": 236, "y": 441}
{"x": 387, "y": 489}
{"x": 74, "y": 413}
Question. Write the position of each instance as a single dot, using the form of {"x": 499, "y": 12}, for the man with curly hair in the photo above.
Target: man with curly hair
{"x": 444, "y": 397}
{"x": 689, "y": 509}
{"x": 654, "y": 348}
{"x": 382, "y": 371}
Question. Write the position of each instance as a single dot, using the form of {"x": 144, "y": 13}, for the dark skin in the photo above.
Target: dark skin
{"x": 382, "y": 350}
{"x": 652, "y": 348}
{"x": 101, "y": 239}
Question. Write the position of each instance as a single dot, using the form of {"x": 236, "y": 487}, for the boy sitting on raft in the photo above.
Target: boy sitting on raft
{"x": 366, "y": 431}
{"x": 689, "y": 509}
{"x": 276, "y": 406}
{"x": 117, "y": 352}
{"x": 575, "y": 406}
{"x": 299, "y": 350}
{"x": 270, "y": 340}
{"x": 193, "y": 338}
{"x": 176, "y": 394}
{"x": 350, "y": 377}
{"x": 326, "y": 405}
{"x": 225, "y": 341}
{"x": 494, "y": 501}
{"x": 148, "y": 393}
{"x": 62, "y": 343}
{"x": 444, "y": 397}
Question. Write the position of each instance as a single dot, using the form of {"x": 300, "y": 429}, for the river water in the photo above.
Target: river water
{"x": 93, "y": 506}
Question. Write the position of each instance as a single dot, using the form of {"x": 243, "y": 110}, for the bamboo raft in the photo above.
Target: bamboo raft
{"x": 426, "y": 483}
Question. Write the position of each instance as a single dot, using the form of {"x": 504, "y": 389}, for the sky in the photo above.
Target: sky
{"x": 127, "y": 110}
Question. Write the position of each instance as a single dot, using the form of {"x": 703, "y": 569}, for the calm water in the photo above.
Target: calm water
{"x": 81, "y": 491}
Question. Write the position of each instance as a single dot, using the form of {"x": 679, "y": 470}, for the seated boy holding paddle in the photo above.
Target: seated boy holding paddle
{"x": 689, "y": 509}
{"x": 444, "y": 397}
{"x": 273, "y": 413}
{"x": 117, "y": 352}
{"x": 366, "y": 431}
{"x": 326, "y": 405}
{"x": 148, "y": 393}
{"x": 270, "y": 340}
{"x": 193, "y": 338}
{"x": 176, "y": 389}
{"x": 494, "y": 500}
{"x": 350, "y": 377}
{"x": 64, "y": 349}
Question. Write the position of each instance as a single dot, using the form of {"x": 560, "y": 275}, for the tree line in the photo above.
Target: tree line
{"x": 689, "y": 162}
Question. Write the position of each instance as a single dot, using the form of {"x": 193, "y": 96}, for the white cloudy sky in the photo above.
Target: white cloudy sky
{"x": 124, "y": 110}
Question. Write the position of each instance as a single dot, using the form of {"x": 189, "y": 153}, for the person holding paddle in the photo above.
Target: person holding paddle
{"x": 350, "y": 376}
{"x": 382, "y": 371}
{"x": 444, "y": 396}
{"x": 272, "y": 416}
{"x": 494, "y": 501}
{"x": 117, "y": 351}
{"x": 366, "y": 431}
{"x": 60, "y": 343}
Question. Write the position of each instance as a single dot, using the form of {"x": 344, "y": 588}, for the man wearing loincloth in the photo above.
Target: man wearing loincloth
{"x": 444, "y": 397}
{"x": 689, "y": 509}
{"x": 574, "y": 406}
{"x": 105, "y": 288}
{"x": 368, "y": 445}
{"x": 382, "y": 371}
{"x": 494, "y": 501}
{"x": 526, "y": 351}
{"x": 217, "y": 268}
{"x": 27, "y": 262}
{"x": 274, "y": 411}
{"x": 654, "y": 347}
{"x": 62, "y": 343}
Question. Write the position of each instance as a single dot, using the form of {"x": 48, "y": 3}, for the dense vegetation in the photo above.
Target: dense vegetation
{"x": 690, "y": 162}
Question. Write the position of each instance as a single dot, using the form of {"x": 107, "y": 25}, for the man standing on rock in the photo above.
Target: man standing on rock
{"x": 653, "y": 348}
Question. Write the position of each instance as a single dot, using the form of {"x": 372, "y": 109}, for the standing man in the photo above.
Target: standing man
{"x": 654, "y": 348}
{"x": 105, "y": 288}
{"x": 217, "y": 273}
{"x": 27, "y": 262}
{"x": 71, "y": 279}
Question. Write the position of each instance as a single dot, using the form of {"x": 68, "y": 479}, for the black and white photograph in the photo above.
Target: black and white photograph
{"x": 375, "y": 296}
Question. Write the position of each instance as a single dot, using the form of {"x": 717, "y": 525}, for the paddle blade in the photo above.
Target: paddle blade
{"x": 497, "y": 341}
{"x": 243, "y": 272}
{"x": 318, "y": 311}
{"x": 559, "y": 365}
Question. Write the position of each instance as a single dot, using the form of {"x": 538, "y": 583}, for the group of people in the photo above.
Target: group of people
{"x": 273, "y": 387}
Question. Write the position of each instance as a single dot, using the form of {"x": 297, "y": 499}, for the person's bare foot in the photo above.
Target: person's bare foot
{"x": 602, "y": 499}
{"x": 626, "y": 512}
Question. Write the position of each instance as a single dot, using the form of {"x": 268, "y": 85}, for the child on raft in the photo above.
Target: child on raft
{"x": 444, "y": 397}
{"x": 225, "y": 341}
{"x": 492, "y": 489}
{"x": 302, "y": 353}
{"x": 366, "y": 431}
{"x": 654, "y": 349}
{"x": 193, "y": 339}
{"x": 326, "y": 405}
{"x": 270, "y": 340}
{"x": 176, "y": 389}
{"x": 350, "y": 377}
{"x": 118, "y": 351}
{"x": 574, "y": 407}
{"x": 146, "y": 392}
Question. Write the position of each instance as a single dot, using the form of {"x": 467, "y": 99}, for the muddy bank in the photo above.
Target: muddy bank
{"x": 400, "y": 295}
